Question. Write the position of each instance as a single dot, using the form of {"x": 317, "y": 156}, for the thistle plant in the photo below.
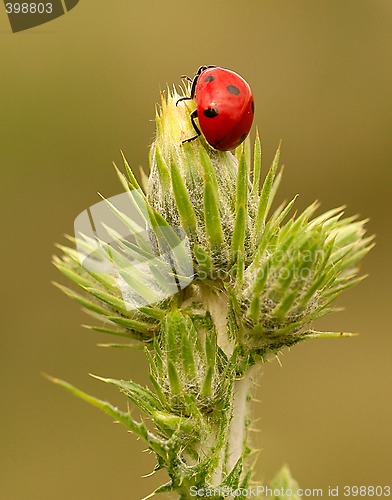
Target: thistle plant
{"x": 211, "y": 282}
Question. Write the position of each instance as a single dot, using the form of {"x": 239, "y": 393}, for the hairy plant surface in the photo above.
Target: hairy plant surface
{"x": 211, "y": 282}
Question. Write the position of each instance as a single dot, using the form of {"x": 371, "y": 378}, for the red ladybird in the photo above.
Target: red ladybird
{"x": 224, "y": 107}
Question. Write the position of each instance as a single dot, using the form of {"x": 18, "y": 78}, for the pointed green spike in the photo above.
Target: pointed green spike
{"x": 187, "y": 355}
{"x": 165, "y": 488}
{"x": 233, "y": 478}
{"x": 238, "y": 240}
{"x": 257, "y": 161}
{"x": 121, "y": 346}
{"x": 173, "y": 423}
{"x": 73, "y": 276}
{"x": 347, "y": 284}
{"x": 327, "y": 335}
{"x": 152, "y": 312}
{"x": 124, "y": 181}
{"x": 139, "y": 429}
{"x": 211, "y": 202}
{"x": 174, "y": 379}
{"x": 204, "y": 261}
{"x": 282, "y": 309}
{"x": 132, "y": 324}
{"x": 118, "y": 333}
{"x": 264, "y": 202}
{"x": 82, "y": 300}
{"x": 212, "y": 216}
{"x": 112, "y": 301}
{"x": 132, "y": 179}
{"x": 161, "y": 395}
{"x": 184, "y": 205}
{"x": 142, "y": 397}
{"x": 210, "y": 346}
{"x": 163, "y": 170}
{"x": 207, "y": 384}
{"x": 283, "y": 482}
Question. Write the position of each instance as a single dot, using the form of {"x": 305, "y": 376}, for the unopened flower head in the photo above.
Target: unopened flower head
{"x": 193, "y": 185}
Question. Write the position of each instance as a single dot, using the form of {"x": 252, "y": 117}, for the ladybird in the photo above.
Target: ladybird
{"x": 224, "y": 107}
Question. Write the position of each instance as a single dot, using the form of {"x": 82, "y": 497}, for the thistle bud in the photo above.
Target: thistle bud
{"x": 193, "y": 185}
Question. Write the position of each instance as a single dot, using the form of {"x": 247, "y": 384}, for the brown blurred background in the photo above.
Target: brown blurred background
{"x": 74, "y": 92}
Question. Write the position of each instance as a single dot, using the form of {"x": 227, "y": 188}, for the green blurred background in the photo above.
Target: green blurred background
{"x": 73, "y": 93}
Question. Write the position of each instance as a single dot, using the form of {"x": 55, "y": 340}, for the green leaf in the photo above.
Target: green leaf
{"x": 283, "y": 481}
{"x": 133, "y": 324}
{"x": 165, "y": 488}
{"x": 184, "y": 205}
{"x": 112, "y": 301}
{"x": 122, "y": 346}
{"x": 158, "y": 389}
{"x": 264, "y": 201}
{"x": 172, "y": 327}
{"x": 282, "y": 309}
{"x": 172, "y": 423}
{"x": 281, "y": 213}
{"x": 174, "y": 379}
{"x": 271, "y": 230}
{"x": 124, "y": 181}
{"x": 82, "y": 300}
{"x": 209, "y": 170}
{"x": 77, "y": 278}
{"x": 163, "y": 170}
{"x": 207, "y": 384}
{"x": 132, "y": 179}
{"x": 212, "y": 217}
{"x": 245, "y": 485}
{"x": 211, "y": 346}
{"x": 241, "y": 208}
{"x": 72, "y": 253}
{"x": 167, "y": 236}
{"x": 133, "y": 227}
{"x": 257, "y": 161}
{"x": 233, "y": 478}
{"x": 142, "y": 397}
{"x": 204, "y": 260}
{"x": 347, "y": 284}
{"x": 314, "y": 334}
{"x": 124, "y": 418}
{"x": 154, "y": 313}
{"x": 110, "y": 331}
{"x": 211, "y": 202}
{"x": 188, "y": 359}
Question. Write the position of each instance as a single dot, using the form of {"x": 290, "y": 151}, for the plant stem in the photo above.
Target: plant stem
{"x": 237, "y": 438}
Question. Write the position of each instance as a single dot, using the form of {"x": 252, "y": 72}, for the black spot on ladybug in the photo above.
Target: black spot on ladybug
{"x": 253, "y": 107}
{"x": 243, "y": 137}
{"x": 211, "y": 112}
{"x": 233, "y": 89}
{"x": 209, "y": 78}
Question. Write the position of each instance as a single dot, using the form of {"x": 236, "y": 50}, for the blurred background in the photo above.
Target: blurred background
{"x": 74, "y": 92}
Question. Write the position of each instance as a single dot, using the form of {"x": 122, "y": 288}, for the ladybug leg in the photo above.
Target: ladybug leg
{"x": 193, "y": 115}
{"x": 193, "y": 87}
{"x": 183, "y": 99}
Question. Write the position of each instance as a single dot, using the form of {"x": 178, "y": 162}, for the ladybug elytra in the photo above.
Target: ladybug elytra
{"x": 224, "y": 107}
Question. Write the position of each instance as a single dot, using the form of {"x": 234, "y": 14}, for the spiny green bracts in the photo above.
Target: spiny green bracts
{"x": 244, "y": 284}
